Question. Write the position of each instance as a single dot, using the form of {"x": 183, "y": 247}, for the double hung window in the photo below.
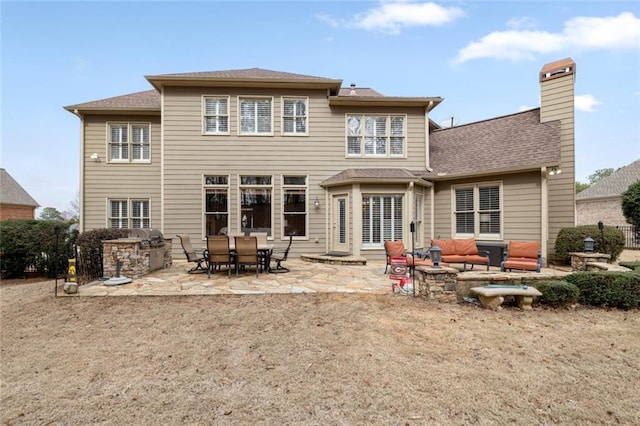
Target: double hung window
{"x": 477, "y": 210}
{"x": 375, "y": 136}
{"x": 381, "y": 219}
{"x": 256, "y": 116}
{"x": 216, "y": 115}
{"x": 216, "y": 204}
{"x": 129, "y": 213}
{"x": 294, "y": 116}
{"x": 129, "y": 142}
{"x": 255, "y": 204}
{"x": 294, "y": 205}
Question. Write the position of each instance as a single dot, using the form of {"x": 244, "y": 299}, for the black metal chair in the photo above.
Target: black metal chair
{"x": 192, "y": 256}
{"x": 279, "y": 256}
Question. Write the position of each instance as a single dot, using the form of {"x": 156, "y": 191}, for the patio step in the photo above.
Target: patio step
{"x": 334, "y": 260}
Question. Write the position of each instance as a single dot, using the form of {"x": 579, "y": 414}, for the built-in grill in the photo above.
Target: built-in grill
{"x": 148, "y": 237}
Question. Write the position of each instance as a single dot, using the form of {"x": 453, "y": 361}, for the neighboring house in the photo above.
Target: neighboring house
{"x": 344, "y": 168}
{"x": 602, "y": 201}
{"x": 15, "y": 202}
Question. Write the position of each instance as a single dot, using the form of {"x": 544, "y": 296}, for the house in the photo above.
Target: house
{"x": 15, "y": 202}
{"x": 344, "y": 168}
{"x": 602, "y": 201}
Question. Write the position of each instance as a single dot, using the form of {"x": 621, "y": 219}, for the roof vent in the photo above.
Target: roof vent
{"x": 353, "y": 89}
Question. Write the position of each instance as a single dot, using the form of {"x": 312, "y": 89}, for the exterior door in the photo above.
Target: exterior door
{"x": 340, "y": 217}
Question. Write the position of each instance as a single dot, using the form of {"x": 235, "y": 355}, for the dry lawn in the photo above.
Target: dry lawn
{"x": 311, "y": 359}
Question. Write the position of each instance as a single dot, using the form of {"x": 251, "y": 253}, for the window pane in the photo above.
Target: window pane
{"x": 215, "y": 180}
{"x": 464, "y": 199}
{"x": 295, "y": 180}
{"x": 353, "y": 125}
{"x": 255, "y": 180}
{"x": 255, "y": 207}
{"x": 489, "y": 198}
{"x": 342, "y": 221}
{"x": 464, "y": 223}
{"x": 217, "y": 223}
{"x": 295, "y": 200}
{"x": 397, "y": 146}
{"x": 353, "y": 145}
{"x": 216, "y": 200}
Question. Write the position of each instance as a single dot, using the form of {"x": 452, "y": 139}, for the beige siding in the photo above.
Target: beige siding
{"x": 557, "y": 103}
{"x": 189, "y": 155}
{"x": 104, "y": 180}
{"x": 521, "y": 202}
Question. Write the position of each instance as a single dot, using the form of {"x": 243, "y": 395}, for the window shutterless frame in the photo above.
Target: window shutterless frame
{"x": 295, "y": 206}
{"x": 375, "y": 136}
{"x": 215, "y": 115}
{"x": 128, "y": 142}
{"x": 255, "y": 115}
{"x": 477, "y": 210}
{"x": 295, "y": 116}
{"x": 128, "y": 213}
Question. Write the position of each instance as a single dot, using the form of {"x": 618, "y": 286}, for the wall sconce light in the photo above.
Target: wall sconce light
{"x": 588, "y": 245}
{"x": 554, "y": 171}
{"x": 435, "y": 253}
{"x": 316, "y": 203}
{"x": 95, "y": 157}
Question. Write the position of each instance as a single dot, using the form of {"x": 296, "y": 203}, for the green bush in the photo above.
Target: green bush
{"x": 558, "y": 293}
{"x": 610, "y": 241}
{"x": 90, "y": 251}
{"x": 32, "y": 244}
{"x": 631, "y": 204}
{"x": 631, "y": 265}
{"x": 607, "y": 289}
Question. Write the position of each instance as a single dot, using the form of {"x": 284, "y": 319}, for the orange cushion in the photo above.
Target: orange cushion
{"x": 395, "y": 248}
{"x": 520, "y": 263}
{"x": 464, "y": 247}
{"x": 471, "y": 258}
{"x": 447, "y": 246}
{"x": 520, "y": 249}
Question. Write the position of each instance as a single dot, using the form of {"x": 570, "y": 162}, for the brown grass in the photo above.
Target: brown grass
{"x": 310, "y": 359}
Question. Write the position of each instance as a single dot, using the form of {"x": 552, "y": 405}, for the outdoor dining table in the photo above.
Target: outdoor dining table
{"x": 264, "y": 252}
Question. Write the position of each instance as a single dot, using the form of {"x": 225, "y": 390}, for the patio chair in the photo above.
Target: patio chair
{"x": 218, "y": 253}
{"x": 279, "y": 256}
{"x": 192, "y": 256}
{"x": 397, "y": 249}
{"x": 522, "y": 255}
{"x": 261, "y": 237}
{"x": 247, "y": 253}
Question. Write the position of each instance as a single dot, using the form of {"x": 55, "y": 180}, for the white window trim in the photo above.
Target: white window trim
{"x": 129, "y": 210}
{"x": 203, "y": 125}
{"x": 306, "y": 116}
{"x": 129, "y": 142}
{"x": 404, "y": 197}
{"x": 202, "y": 197}
{"x": 476, "y": 205}
{"x": 284, "y": 237}
{"x": 388, "y": 137}
{"x": 239, "y": 116}
{"x": 240, "y": 186}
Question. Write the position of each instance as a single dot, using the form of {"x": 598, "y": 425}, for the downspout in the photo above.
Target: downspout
{"x": 433, "y": 210}
{"x": 162, "y": 160}
{"x": 544, "y": 209}
{"x": 427, "y": 148}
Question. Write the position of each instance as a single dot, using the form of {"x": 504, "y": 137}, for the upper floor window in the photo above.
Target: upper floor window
{"x": 216, "y": 114}
{"x": 256, "y": 116}
{"x": 294, "y": 116}
{"x": 129, "y": 213}
{"x": 375, "y": 136}
{"x": 129, "y": 142}
{"x": 478, "y": 211}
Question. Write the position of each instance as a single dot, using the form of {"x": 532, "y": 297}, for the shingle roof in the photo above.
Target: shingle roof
{"x": 149, "y": 99}
{"x": 373, "y": 174}
{"x": 12, "y": 193}
{"x": 614, "y": 184}
{"x": 509, "y": 142}
{"x": 248, "y": 73}
{"x": 359, "y": 91}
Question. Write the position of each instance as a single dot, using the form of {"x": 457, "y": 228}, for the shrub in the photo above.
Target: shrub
{"x": 631, "y": 204}
{"x": 90, "y": 250}
{"x": 607, "y": 289}
{"x": 635, "y": 266}
{"x": 558, "y": 293}
{"x": 610, "y": 241}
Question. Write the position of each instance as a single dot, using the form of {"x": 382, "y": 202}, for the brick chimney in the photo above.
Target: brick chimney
{"x": 557, "y": 81}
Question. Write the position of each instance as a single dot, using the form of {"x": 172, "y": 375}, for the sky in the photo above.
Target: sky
{"x": 482, "y": 57}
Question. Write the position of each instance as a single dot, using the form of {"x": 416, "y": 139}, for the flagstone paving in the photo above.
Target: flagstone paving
{"x": 304, "y": 277}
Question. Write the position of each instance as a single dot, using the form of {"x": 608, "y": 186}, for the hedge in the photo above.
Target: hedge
{"x": 607, "y": 289}
{"x": 557, "y": 293}
{"x": 610, "y": 241}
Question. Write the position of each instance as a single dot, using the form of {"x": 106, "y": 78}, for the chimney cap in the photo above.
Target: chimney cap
{"x": 557, "y": 69}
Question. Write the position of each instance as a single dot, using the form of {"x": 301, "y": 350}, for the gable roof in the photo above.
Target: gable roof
{"x": 513, "y": 142}
{"x": 148, "y": 101}
{"x": 372, "y": 175}
{"x": 613, "y": 185}
{"x": 12, "y": 193}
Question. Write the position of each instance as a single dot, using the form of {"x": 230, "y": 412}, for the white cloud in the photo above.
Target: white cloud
{"x": 586, "y": 103}
{"x": 392, "y": 16}
{"x": 613, "y": 32}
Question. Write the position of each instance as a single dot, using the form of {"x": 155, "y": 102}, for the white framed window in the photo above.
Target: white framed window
{"x": 255, "y": 204}
{"x": 215, "y": 113}
{"x": 477, "y": 210}
{"x": 375, "y": 135}
{"x": 294, "y": 116}
{"x": 381, "y": 219}
{"x": 256, "y": 116}
{"x": 216, "y": 204}
{"x": 418, "y": 218}
{"x": 129, "y": 142}
{"x": 129, "y": 213}
{"x": 294, "y": 205}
